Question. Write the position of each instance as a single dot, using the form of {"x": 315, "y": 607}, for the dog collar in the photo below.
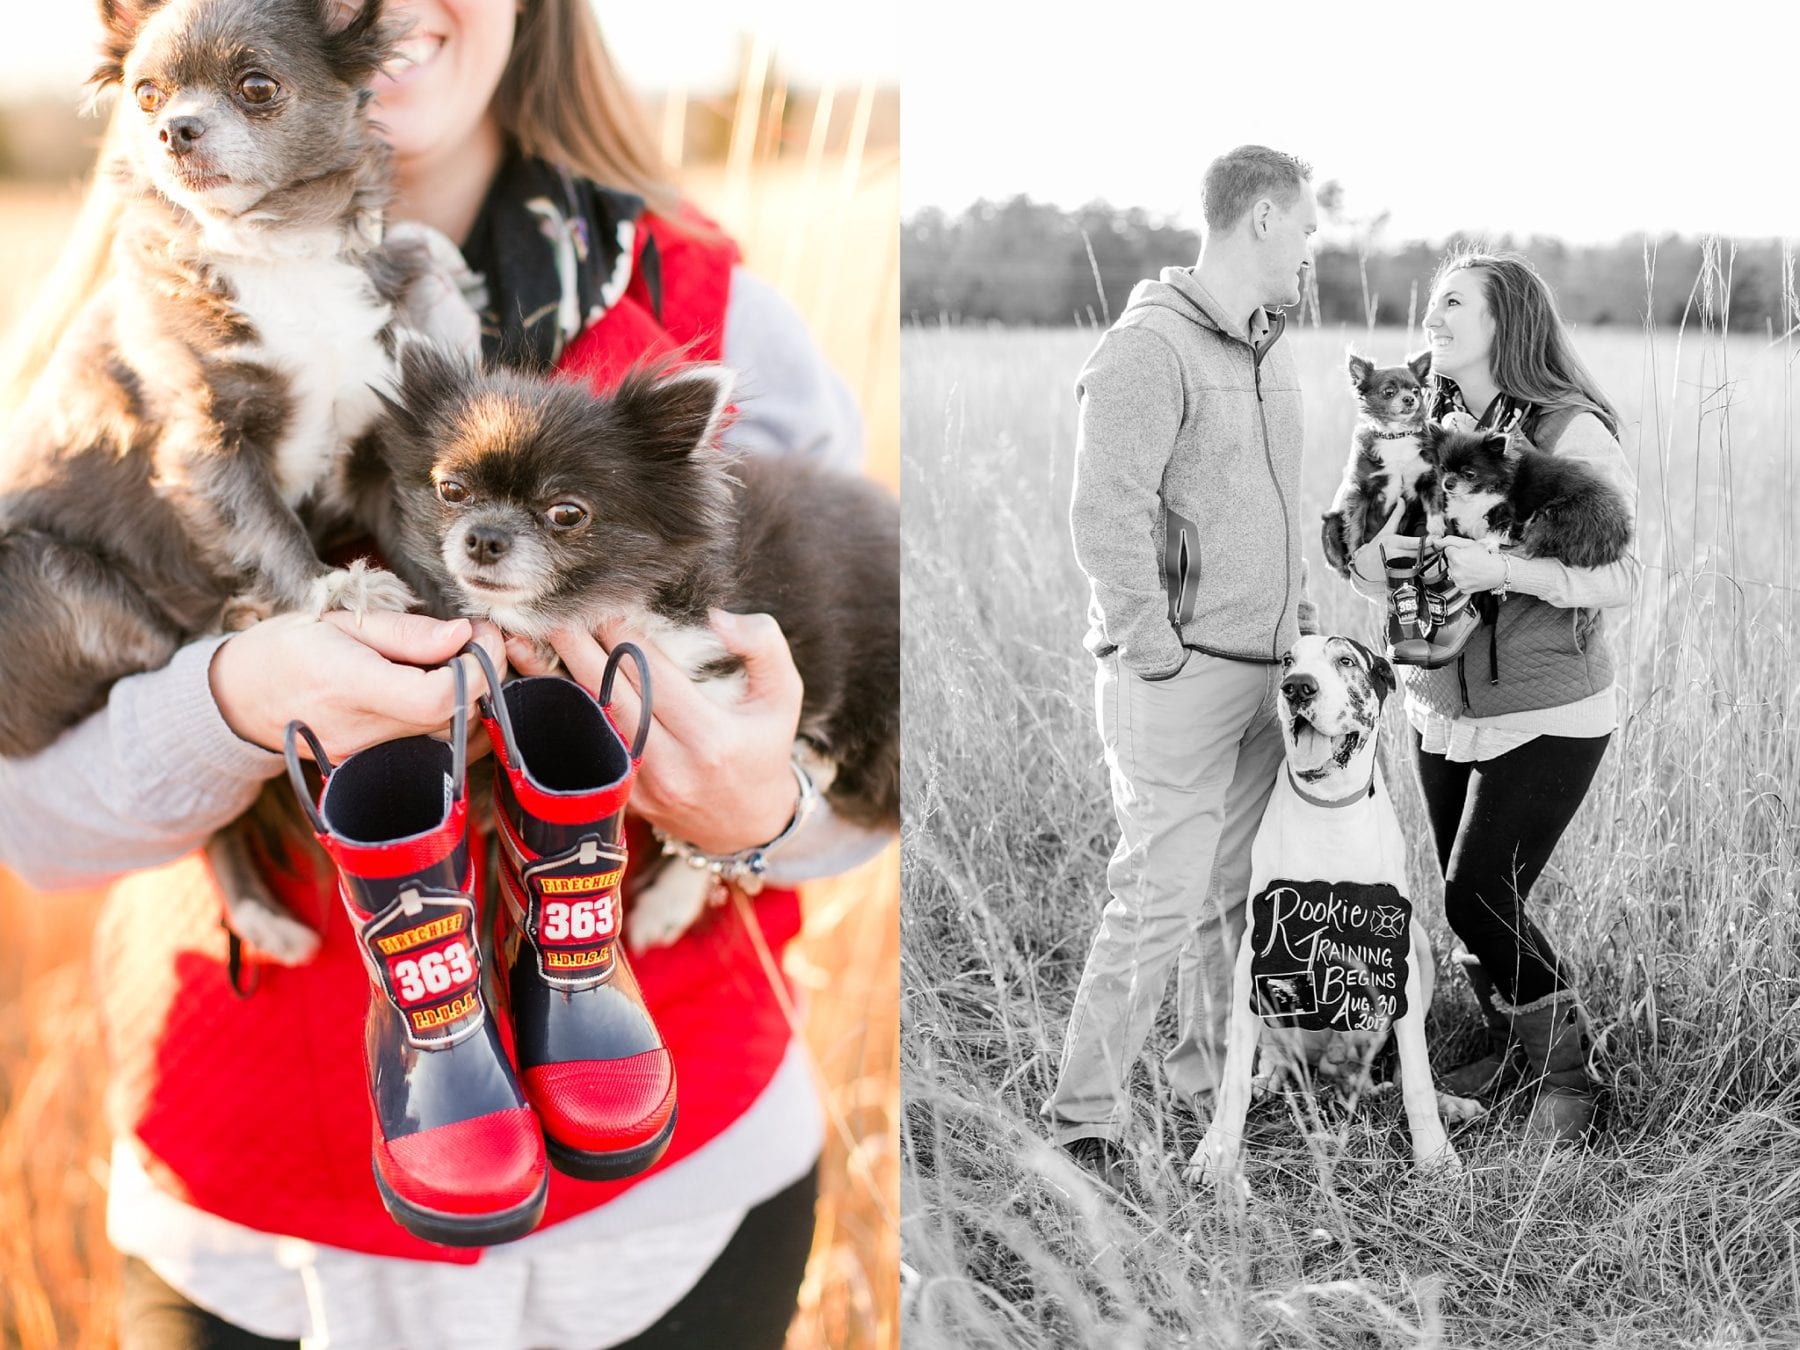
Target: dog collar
{"x": 1392, "y": 435}
{"x": 1351, "y": 800}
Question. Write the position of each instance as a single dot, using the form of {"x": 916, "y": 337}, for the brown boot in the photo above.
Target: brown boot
{"x": 1497, "y": 1071}
{"x": 1554, "y": 1038}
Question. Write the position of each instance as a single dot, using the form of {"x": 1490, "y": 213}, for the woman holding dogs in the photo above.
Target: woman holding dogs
{"x": 1507, "y": 738}
{"x": 238, "y": 1097}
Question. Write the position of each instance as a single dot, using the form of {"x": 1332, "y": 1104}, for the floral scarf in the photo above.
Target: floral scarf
{"x": 556, "y": 252}
{"x": 1505, "y": 413}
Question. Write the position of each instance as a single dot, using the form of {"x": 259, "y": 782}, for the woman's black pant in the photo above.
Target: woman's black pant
{"x": 744, "y": 1301}
{"x": 1496, "y": 823}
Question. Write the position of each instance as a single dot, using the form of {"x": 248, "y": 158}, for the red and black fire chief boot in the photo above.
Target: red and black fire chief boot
{"x": 458, "y": 1155}
{"x": 592, "y": 1062}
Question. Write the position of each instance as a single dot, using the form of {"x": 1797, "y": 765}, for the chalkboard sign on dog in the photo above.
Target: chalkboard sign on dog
{"x": 1329, "y": 955}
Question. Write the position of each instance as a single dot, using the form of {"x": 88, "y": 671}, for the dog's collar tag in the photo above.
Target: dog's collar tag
{"x": 1329, "y": 955}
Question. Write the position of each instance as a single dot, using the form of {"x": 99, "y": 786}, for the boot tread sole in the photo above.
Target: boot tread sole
{"x": 464, "y": 1230}
{"x": 614, "y": 1166}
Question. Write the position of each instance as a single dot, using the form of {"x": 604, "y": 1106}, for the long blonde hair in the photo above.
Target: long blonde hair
{"x": 560, "y": 97}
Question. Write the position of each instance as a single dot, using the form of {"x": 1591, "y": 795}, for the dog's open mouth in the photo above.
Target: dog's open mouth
{"x": 1312, "y": 749}
{"x": 1313, "y": 754}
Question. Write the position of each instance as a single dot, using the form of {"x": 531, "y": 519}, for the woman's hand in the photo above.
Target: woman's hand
{"x": 715, "y": 774}
{"x": 1366, "y": 561}
{"x": 354, "y": 683}
{"x": 1473, "y": 567}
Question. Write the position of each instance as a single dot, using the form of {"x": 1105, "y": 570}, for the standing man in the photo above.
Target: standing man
{"x": 1186, "y": 521}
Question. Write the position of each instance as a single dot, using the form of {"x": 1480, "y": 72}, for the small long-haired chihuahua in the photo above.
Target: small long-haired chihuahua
{"x": 152, "y": 488}
{"x": 535, "y": 503}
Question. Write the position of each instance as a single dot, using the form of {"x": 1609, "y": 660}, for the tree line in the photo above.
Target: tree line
{"x": 1032, "y": 263}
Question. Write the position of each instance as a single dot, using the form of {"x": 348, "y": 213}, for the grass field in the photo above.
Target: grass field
{"x": 1675, "y": 895}
{"x": 825, "y": 229}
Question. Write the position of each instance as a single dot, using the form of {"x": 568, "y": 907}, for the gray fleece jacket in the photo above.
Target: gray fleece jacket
{"x": 1187, "y": 482}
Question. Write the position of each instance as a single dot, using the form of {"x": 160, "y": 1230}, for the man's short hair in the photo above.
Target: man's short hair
{"x": 1239, "y": 178}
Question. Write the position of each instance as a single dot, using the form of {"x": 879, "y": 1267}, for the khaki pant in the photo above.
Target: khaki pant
{"x": 1192, "y": 760}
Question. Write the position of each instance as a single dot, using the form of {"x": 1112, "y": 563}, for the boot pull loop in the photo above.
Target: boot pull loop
{"x": 493, "y": 703}
{"x": 606, "y": 682}
{"x": 459, "y": 731}
{"x": 298, "y": 777}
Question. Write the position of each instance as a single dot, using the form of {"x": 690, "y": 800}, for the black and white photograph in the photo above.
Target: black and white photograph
{"x": 1350, "y": 596}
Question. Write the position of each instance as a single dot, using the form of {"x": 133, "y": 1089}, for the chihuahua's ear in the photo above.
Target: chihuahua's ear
{"x": 1420, "y": 365}
{"x": 120, "y": 21}
{"x": 1360, "y": 368}
{"x": 1432, "y": 436}
{"x": 676, "y": 414}
{"x": 357, "y": 42}
{"x": 432, "y": 376}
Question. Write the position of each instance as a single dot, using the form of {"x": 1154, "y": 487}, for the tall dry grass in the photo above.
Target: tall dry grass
{"x": 1675, "y": 896}
{"x": 819, "y": 216}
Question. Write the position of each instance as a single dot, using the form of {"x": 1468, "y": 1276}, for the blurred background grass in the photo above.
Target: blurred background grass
{"x": 807, "y": 180}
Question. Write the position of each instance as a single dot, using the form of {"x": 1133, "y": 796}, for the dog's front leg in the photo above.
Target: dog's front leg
{"x": 1217, "y": 1156}
{"x": 1431, "y": 1147}
{"x": 235, "y": 513}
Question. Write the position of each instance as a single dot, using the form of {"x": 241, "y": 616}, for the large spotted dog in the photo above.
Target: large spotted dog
{"x": 1331, "y": 957}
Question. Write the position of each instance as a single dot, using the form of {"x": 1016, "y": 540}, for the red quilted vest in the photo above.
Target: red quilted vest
{"x": 256, "y": 1109}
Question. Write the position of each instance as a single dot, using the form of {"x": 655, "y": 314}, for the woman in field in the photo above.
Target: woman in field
{"x": 240, "y": 1187}
{"x": 1508, "y": 737}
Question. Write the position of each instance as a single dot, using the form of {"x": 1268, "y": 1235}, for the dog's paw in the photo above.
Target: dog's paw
{"x": 1215, "y": 1160}
{"x": 668, "y": 906}
{"x": 358, "y": 589}
{"x": 275, "y": 935}
{"x": 1439, "y": 1160}
{"x": 242, "y": 611}
{"x": 1459, "y": 1110}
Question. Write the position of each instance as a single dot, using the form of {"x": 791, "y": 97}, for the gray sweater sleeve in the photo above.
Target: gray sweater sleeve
{"x": 156, "y": 771}
{"x": 1131, "y": 403}
{"x": 144, "y": 780}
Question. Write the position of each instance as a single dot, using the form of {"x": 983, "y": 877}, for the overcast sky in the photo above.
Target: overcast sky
{"x": 1581, "y": 119}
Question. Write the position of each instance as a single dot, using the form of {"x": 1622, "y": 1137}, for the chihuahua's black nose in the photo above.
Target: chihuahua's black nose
{"x": 486, "y": 543}
{"x": 180, "y": 133}
{"x": 1299, "y": 688}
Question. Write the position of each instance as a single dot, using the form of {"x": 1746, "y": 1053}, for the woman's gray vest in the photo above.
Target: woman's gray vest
{"x": 1532, "y": 654}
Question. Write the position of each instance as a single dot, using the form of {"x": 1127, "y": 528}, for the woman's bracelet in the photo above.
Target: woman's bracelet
{"x": 744, "y": 869}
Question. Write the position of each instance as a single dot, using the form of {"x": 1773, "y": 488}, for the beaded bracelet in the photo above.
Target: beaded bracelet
{"x": 745, "y": 868}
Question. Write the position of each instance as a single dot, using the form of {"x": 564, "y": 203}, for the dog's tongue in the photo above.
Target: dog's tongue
{"x": 1312, "y": 749}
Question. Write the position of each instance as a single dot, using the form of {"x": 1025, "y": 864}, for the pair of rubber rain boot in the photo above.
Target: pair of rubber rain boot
{"x": 1430, "y": 617}
{"x": 472, "y": 1103}
{"x": 1541, "y": 1050}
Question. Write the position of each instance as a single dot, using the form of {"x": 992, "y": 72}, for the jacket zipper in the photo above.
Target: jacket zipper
{"x": 1287, "y": 524}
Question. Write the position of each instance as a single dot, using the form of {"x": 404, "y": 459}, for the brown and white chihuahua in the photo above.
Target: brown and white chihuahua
{"x": 539, "y": 505}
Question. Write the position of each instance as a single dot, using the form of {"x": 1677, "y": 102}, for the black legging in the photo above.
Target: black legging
{"x": 1496, "y": 823}
{"x": 745, "y": 1299}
